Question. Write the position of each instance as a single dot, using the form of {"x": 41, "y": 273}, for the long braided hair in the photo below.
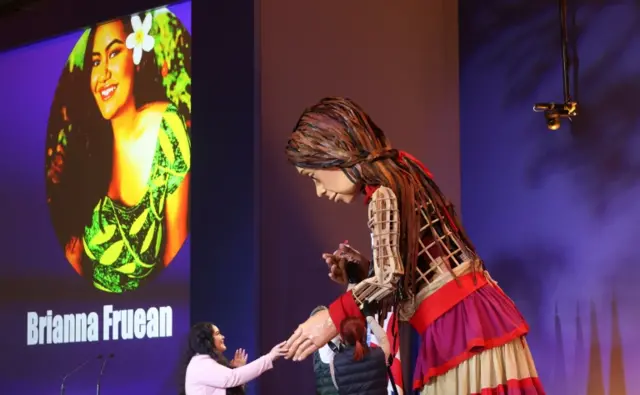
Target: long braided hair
{"x": 336, "y": 133}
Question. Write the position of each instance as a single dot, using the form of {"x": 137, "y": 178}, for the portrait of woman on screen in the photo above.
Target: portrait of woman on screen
{"x": 118, "y": 150}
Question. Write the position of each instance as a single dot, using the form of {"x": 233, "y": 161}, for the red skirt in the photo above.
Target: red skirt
{"x": 477, "y": 347}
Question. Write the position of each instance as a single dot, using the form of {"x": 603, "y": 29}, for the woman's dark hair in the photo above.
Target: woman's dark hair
{"x": 337, "y": 134}
{"x": 200, "y": 342}
{"x": 86, "y": 157}
{"x": 353, "y": 333}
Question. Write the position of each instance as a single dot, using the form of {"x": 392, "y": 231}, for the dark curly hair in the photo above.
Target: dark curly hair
{"x": 201, "y": 342}
{"x": 80, "y": 141}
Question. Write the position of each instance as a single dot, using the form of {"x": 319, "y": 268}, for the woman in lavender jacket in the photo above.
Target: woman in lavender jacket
{"x": 208, "y": 372}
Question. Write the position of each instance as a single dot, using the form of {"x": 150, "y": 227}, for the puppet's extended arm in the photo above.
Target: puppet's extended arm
{"x": 320, "y": 328}
{"x": 384, "y": 222}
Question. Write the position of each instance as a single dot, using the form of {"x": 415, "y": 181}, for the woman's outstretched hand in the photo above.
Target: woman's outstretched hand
{"x": 314, "y": 333}
{"x": 240, "y": 358}
{"x": 344, "y": 255}
{"x": 280, "y": 350}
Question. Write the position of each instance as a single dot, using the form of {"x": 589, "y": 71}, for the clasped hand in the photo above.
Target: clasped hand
{"x": 314, "y": 333}
{"x": 319, "y": 329}
{"x": 344, "y": 255}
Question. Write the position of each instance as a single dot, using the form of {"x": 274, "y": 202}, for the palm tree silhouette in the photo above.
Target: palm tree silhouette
{"x": 579, "y": 365}
{"x": 559, "y": 370}
{"x": 617, "y": 385}
{"x": 595, "y": 384}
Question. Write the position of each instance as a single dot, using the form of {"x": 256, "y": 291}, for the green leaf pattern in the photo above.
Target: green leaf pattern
{"x": 139, "y": 222}
{"x": 125, "y": 244}
{"x": 103, "y": 235}
{"x": 168, "y": 31}
{"x": 76, "y": 58}
{"x": 112, "y": 253}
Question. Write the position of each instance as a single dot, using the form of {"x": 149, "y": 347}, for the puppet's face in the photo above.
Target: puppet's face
{"x": 218, "y": 340}
{"x": 332, "y": 184}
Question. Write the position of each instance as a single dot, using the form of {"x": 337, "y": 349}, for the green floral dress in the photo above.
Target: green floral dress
{"x": 125, "y": 244}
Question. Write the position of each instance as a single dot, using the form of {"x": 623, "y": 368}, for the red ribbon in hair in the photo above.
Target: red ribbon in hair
{"x": 403, "y": 154}
{"x": 370, "y": 189}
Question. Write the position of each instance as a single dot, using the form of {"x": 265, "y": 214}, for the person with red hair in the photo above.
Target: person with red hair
{"x": 358, "y": 369}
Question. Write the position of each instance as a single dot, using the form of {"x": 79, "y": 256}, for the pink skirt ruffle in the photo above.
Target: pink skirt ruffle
{"x": 484, "y": 320}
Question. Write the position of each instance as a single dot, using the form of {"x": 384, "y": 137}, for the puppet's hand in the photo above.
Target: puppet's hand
{"x": 343, "y": 256}
{"x": 337, "y": 271}
{"x": 314, "y": 333}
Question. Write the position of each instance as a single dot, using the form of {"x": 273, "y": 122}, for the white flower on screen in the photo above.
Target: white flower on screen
{"x": 140, "y": 40}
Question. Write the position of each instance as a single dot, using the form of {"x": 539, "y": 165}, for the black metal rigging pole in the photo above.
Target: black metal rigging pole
{"x": 554, "y": 112}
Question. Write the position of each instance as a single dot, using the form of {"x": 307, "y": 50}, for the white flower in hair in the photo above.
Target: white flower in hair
{"x": 140, "y": 40}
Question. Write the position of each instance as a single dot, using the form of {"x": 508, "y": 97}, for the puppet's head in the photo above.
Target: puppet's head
{"x": 340, "y": 147}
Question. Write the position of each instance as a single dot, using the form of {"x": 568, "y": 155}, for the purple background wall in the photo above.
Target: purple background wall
{"x": 556, "y": 214}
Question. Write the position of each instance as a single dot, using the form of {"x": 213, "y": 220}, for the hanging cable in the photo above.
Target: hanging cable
{"x": 555, "y": 112}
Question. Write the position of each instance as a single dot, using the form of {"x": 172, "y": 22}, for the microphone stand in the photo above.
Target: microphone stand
{"x": 104, "y": 365}
{"x": 82, "y": 365}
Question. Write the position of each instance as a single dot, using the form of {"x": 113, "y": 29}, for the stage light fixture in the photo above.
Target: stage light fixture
{"x": 554, "y": 113}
